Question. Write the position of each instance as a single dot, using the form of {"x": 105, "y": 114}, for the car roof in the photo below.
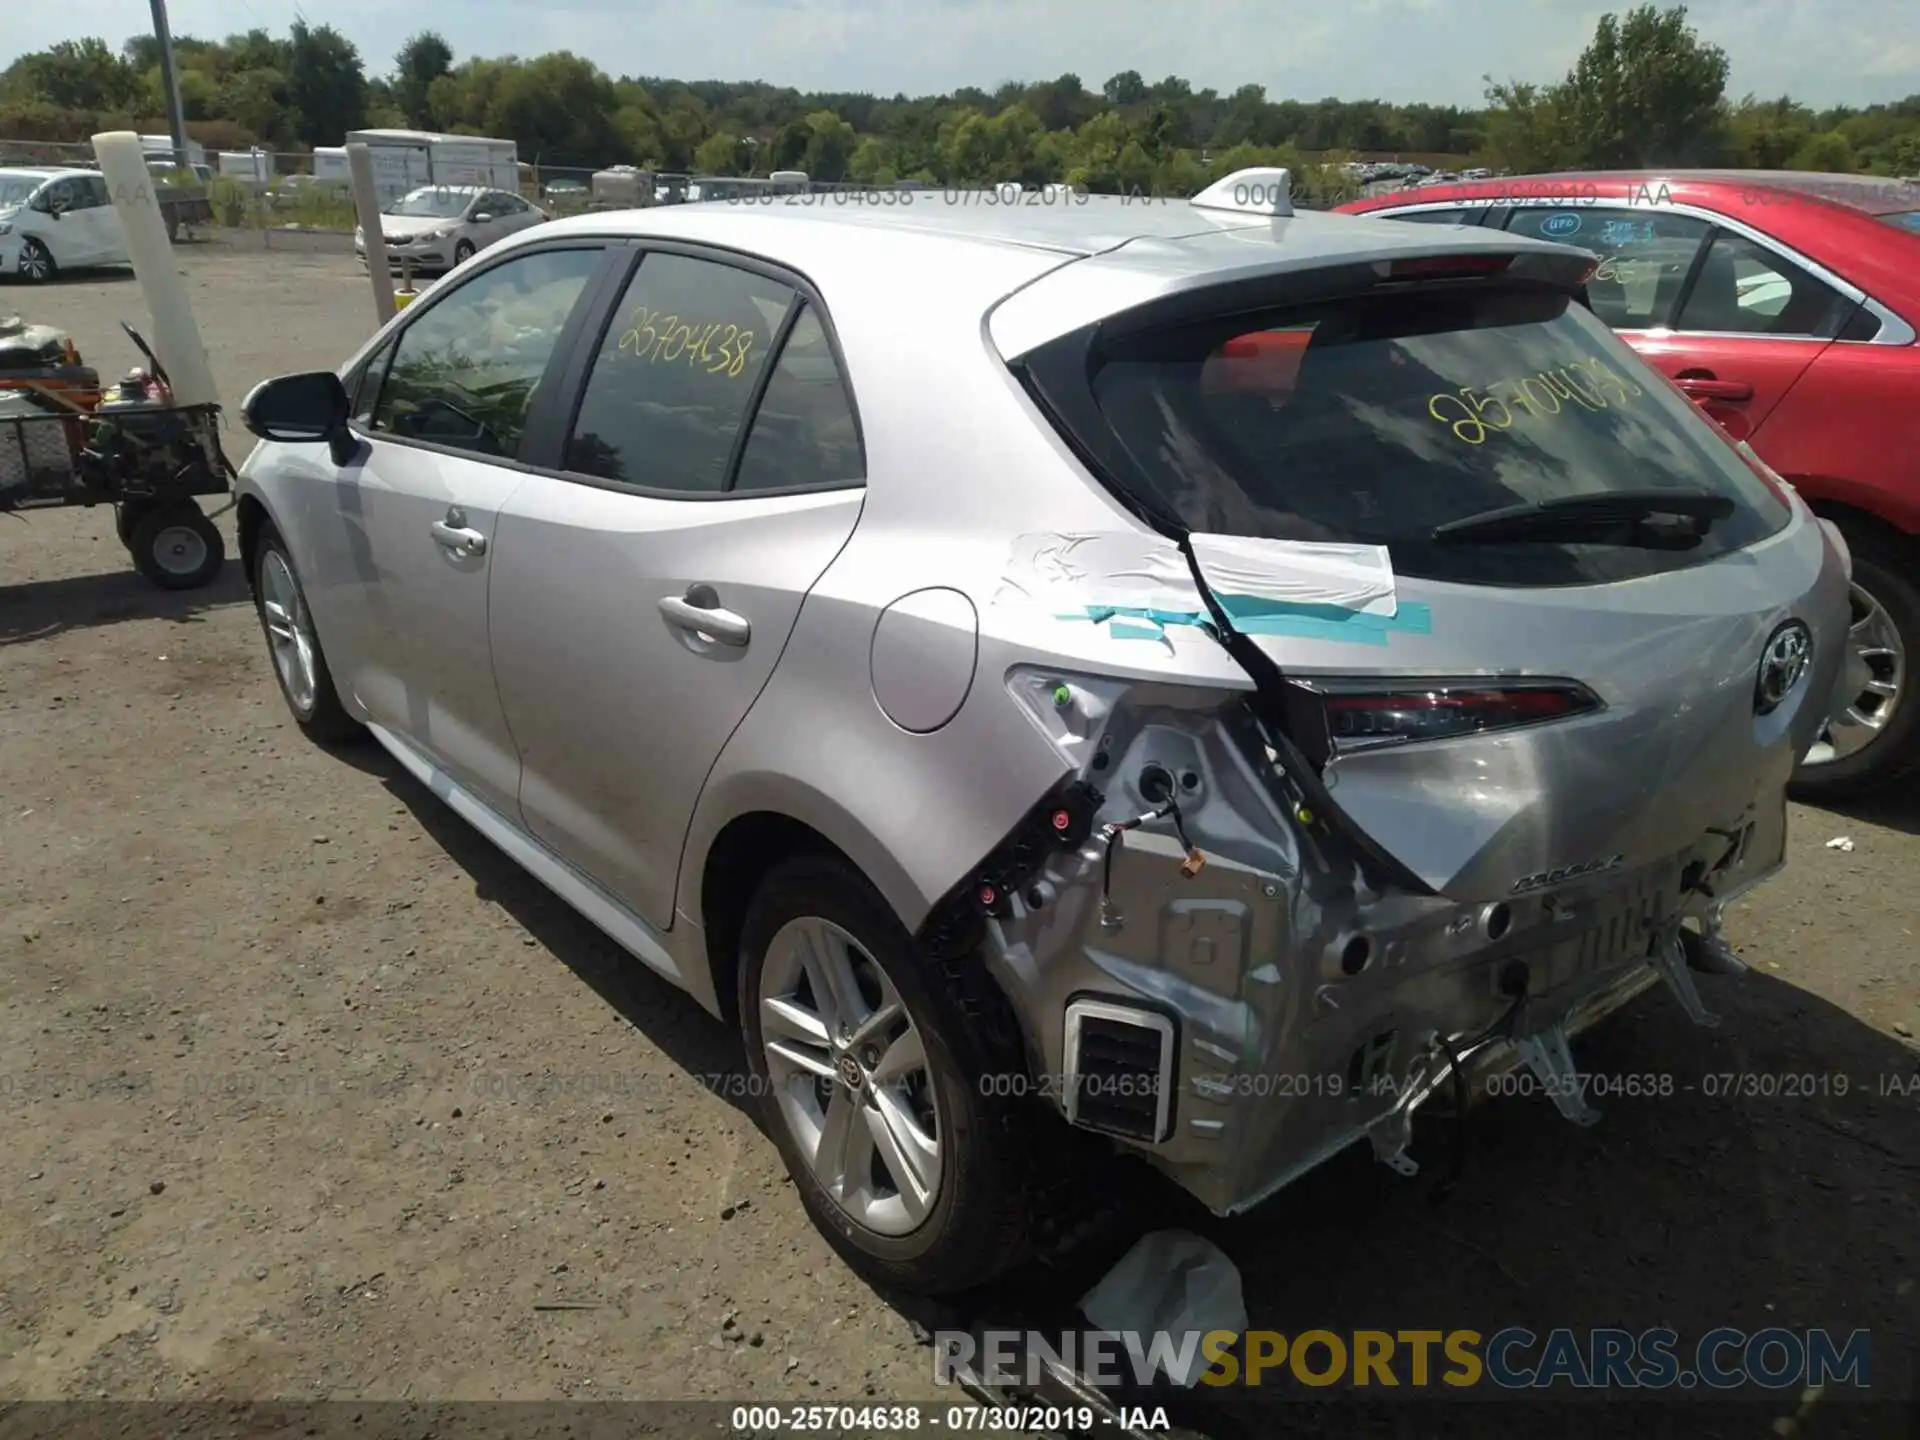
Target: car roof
{"x": 44, "y": 172}
{"x": 1833, "y": 220}
{"x": 1077, "y": 227}
{"x": 1107, "y": 253}
{"x": 1871, "y": 194}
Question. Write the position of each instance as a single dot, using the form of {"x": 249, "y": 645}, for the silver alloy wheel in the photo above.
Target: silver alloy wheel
{"x": 36, "y": 263}
{"x": 180, "y": 549}
{"x": 850, "y": 1073}
{"x": 289, "y": 630}
{"x": 1876, "y": 679}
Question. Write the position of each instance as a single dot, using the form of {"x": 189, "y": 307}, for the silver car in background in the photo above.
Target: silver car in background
{"x": 1197, "y": 673}
{"x": 437, "y": 227}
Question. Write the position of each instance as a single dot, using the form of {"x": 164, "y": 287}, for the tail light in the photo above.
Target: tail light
{"x": 1370, "y": 715}
{"x": 1447, "y": 267}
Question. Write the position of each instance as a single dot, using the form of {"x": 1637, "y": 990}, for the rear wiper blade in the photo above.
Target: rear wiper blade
{"x": 1613, "y": 516}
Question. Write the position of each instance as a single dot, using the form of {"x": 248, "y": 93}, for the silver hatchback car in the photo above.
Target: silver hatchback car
{"x": 1184, "y": 670}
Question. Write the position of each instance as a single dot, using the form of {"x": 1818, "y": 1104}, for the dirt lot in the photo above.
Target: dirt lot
{"x": 308, "y": 1092}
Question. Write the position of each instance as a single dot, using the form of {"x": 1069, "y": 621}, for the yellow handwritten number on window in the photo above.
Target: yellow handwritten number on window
{"x": 1587, "y": 384}
{"x": 715, "y": 347}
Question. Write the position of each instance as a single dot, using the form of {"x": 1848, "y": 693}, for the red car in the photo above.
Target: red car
{"x": 1787, "y": 306}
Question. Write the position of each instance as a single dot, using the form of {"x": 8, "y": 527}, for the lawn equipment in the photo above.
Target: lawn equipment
{"x": 65, "y": 440}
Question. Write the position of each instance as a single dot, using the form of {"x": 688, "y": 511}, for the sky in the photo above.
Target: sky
{"x": 1822, "y": 52}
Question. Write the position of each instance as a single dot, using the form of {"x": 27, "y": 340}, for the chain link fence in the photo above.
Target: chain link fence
{"x": 300, "y": 200}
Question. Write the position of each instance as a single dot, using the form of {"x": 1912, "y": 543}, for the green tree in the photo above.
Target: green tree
{"x": 80, "y": 75}
{"x": 1646, "y": 91}
{"x": 1828, "y": 151}
{"x": 421, "y": 61}
{"x": 558, "y": 110}
{"x": 721, "y": 153}
{"x": 1526, "y": 131}
{"x": 1126, "y": 88}
{"x": 874, "y": 162}
{"x": 325, "y": 83}
{"x": 830, "y": 144}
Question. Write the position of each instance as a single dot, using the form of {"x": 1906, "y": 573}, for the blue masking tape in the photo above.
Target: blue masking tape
{"x": 1352, "y": 627}
{"x": 1252, "y": 615}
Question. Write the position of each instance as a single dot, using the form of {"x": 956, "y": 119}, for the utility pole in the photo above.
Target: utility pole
{"x": 170, "y": 82}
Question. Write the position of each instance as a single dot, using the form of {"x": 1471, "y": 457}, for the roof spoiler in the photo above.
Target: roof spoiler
{"x": 1261, "y": 190}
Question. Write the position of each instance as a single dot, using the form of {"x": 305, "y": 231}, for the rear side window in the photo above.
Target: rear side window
{"x": 803, "y": 433}
{"x": 676, "y": 370}
{"x": 1745, "y": 289}
{"x": 1644, "y": 258}
{"x": 1377, "y": 419}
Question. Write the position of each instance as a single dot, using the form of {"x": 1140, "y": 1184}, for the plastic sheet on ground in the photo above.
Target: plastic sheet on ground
{"x": 1175, "y": 1283}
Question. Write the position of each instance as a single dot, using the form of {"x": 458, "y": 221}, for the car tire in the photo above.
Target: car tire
{"x": 974, "y": 1222}
{"x": 176, "y": 546}
{"x": 36, "y": 262}
{"x": 1886, "y": 630}
{"x": 293, "y": 646}
{"x": 462, "y": 252}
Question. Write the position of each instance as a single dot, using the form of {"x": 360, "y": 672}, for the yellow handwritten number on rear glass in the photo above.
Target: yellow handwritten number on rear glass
{"x": 716, "y": 347}
{"x": 1586, "y": 384}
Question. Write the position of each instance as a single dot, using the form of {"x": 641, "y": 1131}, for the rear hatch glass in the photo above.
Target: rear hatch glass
{"x": 1379, "y": 419}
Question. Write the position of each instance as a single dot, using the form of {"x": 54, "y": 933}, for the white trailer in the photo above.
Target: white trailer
{"x": 330, "y": 165}
{"x": 251, "y": 167}
{"x": 160, "y": 147}
{"x": 404, "y": 160}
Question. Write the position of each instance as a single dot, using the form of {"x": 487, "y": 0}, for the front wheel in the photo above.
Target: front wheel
{"x": 872, "y": 1062}
{"x": 36, "y": 262}
{"x": 299, "y": 664}
{"x": 176, "y": 546}
{"x": 1874, "y": 737}
{"x": 463, "y": 252}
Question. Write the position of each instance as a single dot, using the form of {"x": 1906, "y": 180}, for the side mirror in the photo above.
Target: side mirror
{"x": 481, "y": 217}
{"x": 300, "y": 409}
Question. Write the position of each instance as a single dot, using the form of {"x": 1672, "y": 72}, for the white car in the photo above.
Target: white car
{"x": 54, "y": 218}
{"x": 438, "y": 226}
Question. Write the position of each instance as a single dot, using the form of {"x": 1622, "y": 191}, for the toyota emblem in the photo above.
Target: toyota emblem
{"x": 1783, "y": 664}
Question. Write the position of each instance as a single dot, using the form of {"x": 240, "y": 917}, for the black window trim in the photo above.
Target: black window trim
{"x": 609, "y": 250}
{"x": 568, "y": 396}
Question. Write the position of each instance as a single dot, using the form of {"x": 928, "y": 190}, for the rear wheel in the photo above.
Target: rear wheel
{"x": 871, "y": 1063}
{"x": 1874, "y": 737}
{"x": 176, "y": 546}
{"x": 299, "y": 664}
{"x": 36, "y": 262}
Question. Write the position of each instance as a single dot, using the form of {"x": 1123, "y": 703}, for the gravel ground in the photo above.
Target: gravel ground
{"x": 309, "y": 1092}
